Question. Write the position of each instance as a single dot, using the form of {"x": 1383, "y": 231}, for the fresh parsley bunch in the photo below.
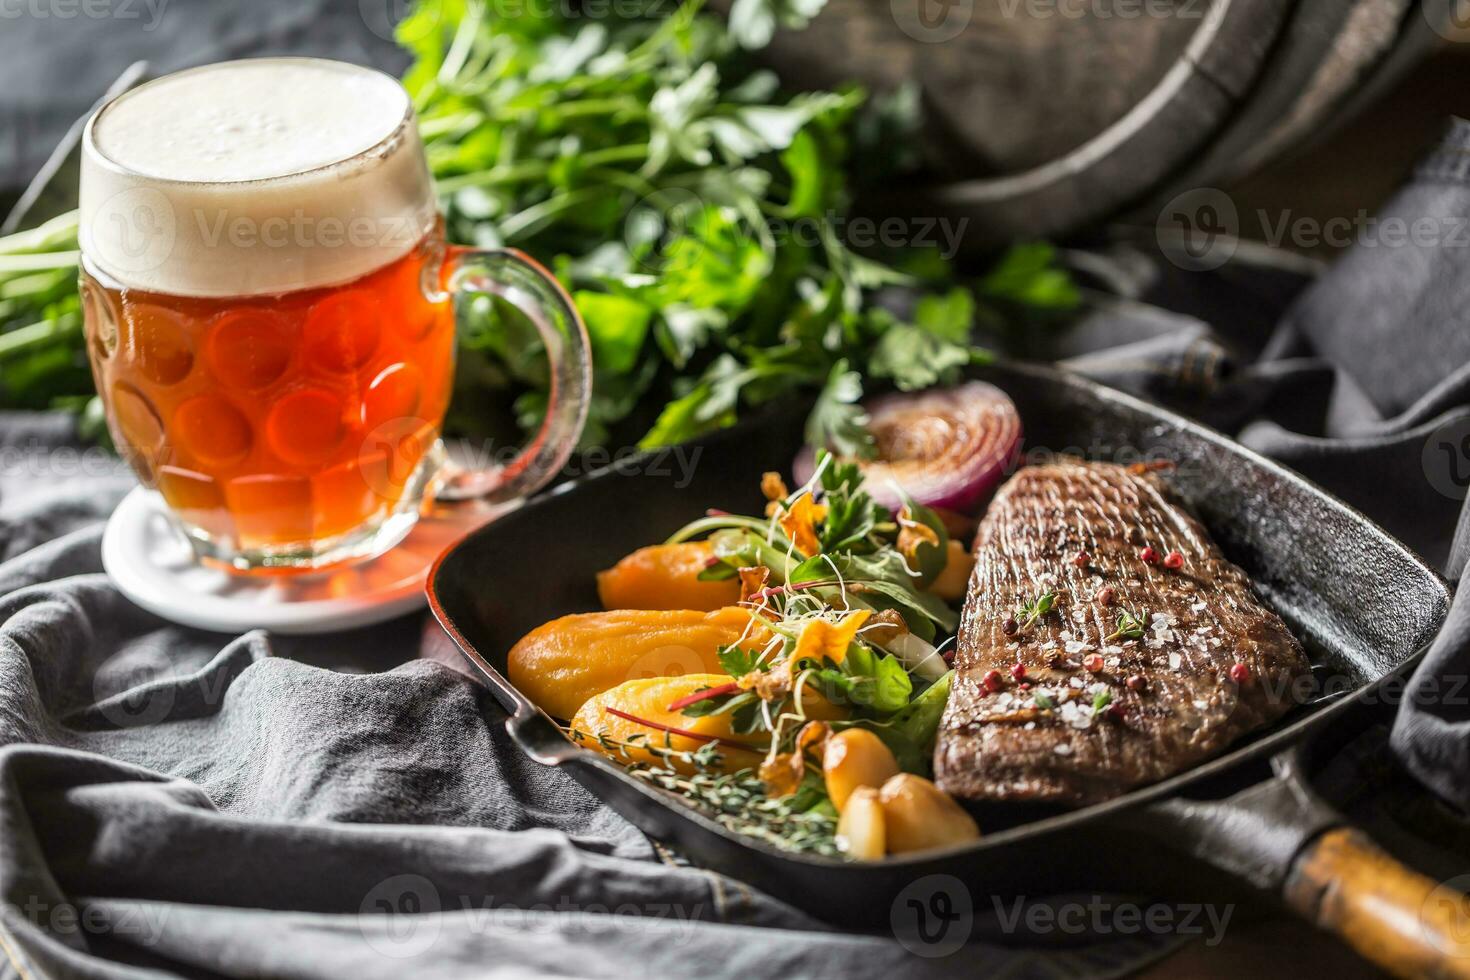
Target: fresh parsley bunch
{"x": 693, "y": 210}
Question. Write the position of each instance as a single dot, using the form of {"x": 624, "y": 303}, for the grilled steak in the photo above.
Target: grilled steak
{"x": 1112, "y": 703}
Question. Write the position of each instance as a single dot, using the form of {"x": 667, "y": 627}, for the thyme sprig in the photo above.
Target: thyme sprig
{"x": 737, "y": 801}
{"x": 1033, "y": 611}
{"x": 1130, "y": 627}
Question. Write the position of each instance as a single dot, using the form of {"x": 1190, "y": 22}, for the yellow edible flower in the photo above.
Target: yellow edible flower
{"x": 913, "y": 533}
{"x": 799, "y": 523}
{"x": 822, "y": 638}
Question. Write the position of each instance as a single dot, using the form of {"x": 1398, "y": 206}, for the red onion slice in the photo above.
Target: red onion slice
{"x": 944, "y": 447}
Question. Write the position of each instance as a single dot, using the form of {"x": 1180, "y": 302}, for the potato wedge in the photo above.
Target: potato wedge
{"x": 648, "y": 700}
{"x": 666, "y": 576}
{"x": 561, "y": 664}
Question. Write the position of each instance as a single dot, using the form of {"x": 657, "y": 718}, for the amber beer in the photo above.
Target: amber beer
{"x": 268, "y": 304}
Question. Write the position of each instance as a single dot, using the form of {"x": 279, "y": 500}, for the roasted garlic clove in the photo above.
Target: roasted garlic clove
{"x": 860, "y": 831}
{"x": 919, "y": 815}
{"x": 855, "y": 758}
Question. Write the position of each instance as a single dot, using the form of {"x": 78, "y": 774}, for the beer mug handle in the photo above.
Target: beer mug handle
{"x": 525, "y": 284}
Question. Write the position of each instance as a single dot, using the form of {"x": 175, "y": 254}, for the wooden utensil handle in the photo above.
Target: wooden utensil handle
{"x": 1399, "y": 919}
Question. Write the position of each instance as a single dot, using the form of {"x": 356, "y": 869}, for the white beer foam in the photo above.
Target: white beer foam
{"x": 252, "y": 178}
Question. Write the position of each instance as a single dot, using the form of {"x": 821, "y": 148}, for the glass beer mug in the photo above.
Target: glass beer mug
{"x": 270, "y": 309}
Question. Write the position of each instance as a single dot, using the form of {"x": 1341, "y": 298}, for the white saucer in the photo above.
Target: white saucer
{"x": 151, "y": 562}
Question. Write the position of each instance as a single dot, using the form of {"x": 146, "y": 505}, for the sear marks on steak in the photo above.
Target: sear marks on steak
{"x": 1000, "y": 741}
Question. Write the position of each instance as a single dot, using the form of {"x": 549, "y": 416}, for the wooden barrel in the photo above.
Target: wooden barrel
{"x": 1046, "y": 117}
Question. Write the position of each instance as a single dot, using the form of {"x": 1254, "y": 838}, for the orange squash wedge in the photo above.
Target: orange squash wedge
{"x": 665, "y": 576}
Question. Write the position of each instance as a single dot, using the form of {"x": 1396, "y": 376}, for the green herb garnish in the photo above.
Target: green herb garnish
{"x": 739, "y": 802}
{"x": 801, "y": 822}
{"x": 866, "y": 679}
{"x": 1043, "y": 700}
{"x": 1130, "y": 627}
{"x": 738, "y": 661}
{"x": 852, "y": 517}
{"x": 697, "y": 212}
{"x": 1034, "y": 610}
{"x": 1101, "y": 700}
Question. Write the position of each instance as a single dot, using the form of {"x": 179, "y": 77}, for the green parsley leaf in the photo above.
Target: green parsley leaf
{"x": 1130, "y": 627}
{"x": 737, "y": 661}
{"x": 1037, "y": 608}
{"x": 915, "y": 358}
{"x": 837, "y": 422}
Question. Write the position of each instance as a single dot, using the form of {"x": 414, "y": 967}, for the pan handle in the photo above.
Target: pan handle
{"x": 1401, "y": 920}
{"x": 538, "y": 736}
{"x": 1280, "y": 837}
